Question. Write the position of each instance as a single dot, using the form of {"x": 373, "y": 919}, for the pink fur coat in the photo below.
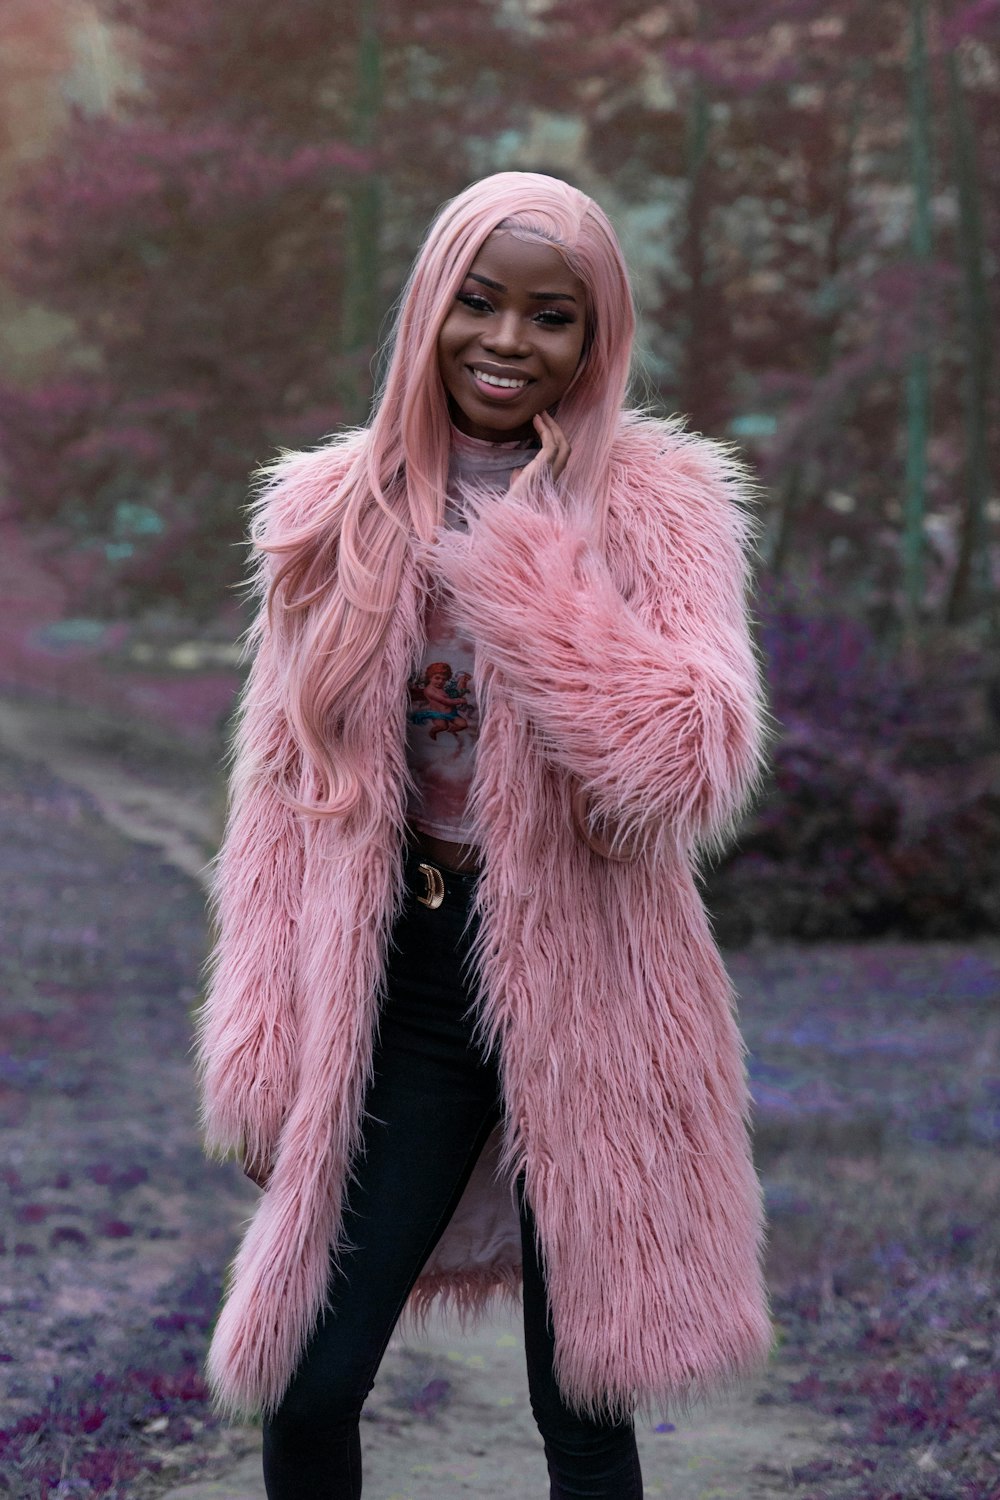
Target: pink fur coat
{"x": 628, "y": 670}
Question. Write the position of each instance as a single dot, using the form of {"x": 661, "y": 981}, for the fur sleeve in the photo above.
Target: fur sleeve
{"x": 655, "y": 704}
{"x": 246, "y": 1027}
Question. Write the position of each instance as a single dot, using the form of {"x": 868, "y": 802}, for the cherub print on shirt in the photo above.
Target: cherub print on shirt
{"x": 442, "y": 726}
{"x": 442, "y": 722}
{"x": 447, "y": 699}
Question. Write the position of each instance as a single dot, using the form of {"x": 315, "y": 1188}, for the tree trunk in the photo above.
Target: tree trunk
{"x": 361, "y": 309}
{"x": 839, "y": 221}
{"x": 918, "y": 373}
{"x": 695, "y": 399}
{"x": 971, "y": 582}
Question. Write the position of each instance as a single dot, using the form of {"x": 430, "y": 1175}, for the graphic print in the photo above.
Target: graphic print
{"x": 442, "y": 724}
{"x": 444, "y": 700}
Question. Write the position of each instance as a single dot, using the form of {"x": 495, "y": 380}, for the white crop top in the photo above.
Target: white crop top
{"x": 442, "y": 722}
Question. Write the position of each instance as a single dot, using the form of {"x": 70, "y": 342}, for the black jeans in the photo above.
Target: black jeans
{"x": 432, "y": 1104}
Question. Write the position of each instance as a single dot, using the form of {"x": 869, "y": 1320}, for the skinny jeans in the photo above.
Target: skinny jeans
{"x": 433, "y": 1101}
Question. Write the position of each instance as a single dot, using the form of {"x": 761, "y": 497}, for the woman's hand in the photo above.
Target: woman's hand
{"x": 553, "y": 456}
{"x": 258, "y": 1172}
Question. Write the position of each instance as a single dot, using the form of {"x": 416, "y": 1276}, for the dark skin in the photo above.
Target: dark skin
{"x": 520, "y": 318}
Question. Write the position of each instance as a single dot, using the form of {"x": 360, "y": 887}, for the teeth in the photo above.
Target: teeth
{"x": 499, "y": 380}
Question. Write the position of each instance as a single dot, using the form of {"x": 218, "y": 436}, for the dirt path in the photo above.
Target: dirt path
{"x": 120, "y": 1230}
{"x": 166, "y": 795}
{"x": 483, "y": 1441}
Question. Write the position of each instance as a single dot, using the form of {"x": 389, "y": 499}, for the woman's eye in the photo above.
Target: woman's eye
{"x": 554, "y": 318}
{"x": 472, "y": 300}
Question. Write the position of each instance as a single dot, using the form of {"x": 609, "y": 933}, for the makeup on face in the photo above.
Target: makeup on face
{"x": 512, "y": 342}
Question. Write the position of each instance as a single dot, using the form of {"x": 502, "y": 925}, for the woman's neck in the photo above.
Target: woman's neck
{"x": 464, "y": 443}
{"x": 479, "y": 461}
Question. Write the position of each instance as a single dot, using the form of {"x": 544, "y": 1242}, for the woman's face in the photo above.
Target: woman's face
{"x": 511, "y": 344}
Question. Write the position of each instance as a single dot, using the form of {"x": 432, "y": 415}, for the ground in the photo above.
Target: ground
{"x": 877, "y": 1083}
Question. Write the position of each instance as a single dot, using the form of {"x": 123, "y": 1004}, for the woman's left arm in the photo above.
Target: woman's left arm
{"x": 655, "y": 705}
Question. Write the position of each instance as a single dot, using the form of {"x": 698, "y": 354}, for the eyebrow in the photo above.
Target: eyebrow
{"x": 498, "y": 286}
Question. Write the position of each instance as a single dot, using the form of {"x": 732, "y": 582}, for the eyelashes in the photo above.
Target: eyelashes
{"x": 482, "y": 304}
{"x": 479, "y": 304}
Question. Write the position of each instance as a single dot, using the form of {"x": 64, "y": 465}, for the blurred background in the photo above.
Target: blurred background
{"x": 208, "y": 210}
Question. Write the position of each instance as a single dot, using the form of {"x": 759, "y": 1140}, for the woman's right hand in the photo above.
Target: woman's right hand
{"x": 552, "y": 457}
{"x": 258, "y": 1172}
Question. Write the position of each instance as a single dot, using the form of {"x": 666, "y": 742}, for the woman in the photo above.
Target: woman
{"x": 466, "y": 1021}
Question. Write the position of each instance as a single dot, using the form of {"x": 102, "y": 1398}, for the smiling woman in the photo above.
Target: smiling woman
{"x": 511, "y": 345}
{"x": 465, "y": 1020}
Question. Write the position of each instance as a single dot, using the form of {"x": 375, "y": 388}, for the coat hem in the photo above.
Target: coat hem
{"x": 469, "y": 1295}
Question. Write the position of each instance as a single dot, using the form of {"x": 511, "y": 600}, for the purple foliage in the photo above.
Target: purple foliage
{"x": 195, "y": 236}
{"x": 101, "y": 943}
{"x": 33, "y": 1213}
{"x": 115, "y": 1229}
{"x": 938, "y": 1401}
{"x": 883, "y": 810}
{"x": 105, "y": 1174}
{"x": 434, "y": 1395}
{"x": 102, "y": 1414}
{"x": 166, "y": 1388}
{"x": 67, "y": 1235}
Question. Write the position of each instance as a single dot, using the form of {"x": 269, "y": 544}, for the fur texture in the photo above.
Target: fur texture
{"x": 601, "y": 989}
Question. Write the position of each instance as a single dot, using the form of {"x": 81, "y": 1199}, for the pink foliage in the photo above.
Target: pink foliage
{"x": 195, "y": 235}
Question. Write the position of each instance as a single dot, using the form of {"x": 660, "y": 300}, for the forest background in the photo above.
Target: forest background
{"x": 209, "y": 212}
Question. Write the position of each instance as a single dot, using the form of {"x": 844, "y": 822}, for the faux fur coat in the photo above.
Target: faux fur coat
{"x": 627, "y": 669}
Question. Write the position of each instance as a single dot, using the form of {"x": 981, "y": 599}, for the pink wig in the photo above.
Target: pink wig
{"x": 394, "y": 490}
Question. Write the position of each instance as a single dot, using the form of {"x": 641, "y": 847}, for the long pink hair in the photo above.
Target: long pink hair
{"x": 329, "y": 638}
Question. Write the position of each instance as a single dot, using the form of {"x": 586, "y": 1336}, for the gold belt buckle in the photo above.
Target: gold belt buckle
{"x": 435, "y": 886}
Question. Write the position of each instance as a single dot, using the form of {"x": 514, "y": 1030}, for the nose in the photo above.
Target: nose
{"x": 505, "y": 335}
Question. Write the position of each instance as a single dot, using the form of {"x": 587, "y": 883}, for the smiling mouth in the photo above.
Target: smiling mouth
{"x": 502, "y": 387}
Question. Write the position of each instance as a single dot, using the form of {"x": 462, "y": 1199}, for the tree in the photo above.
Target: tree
{"x": 972, "y": 130}
{"x": 792, "y": 308}
{"x": 220, "y": 247}
{"x": 918, "y": 375}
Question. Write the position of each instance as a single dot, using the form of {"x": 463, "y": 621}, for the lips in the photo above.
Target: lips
{"x": 493, "y": 392}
